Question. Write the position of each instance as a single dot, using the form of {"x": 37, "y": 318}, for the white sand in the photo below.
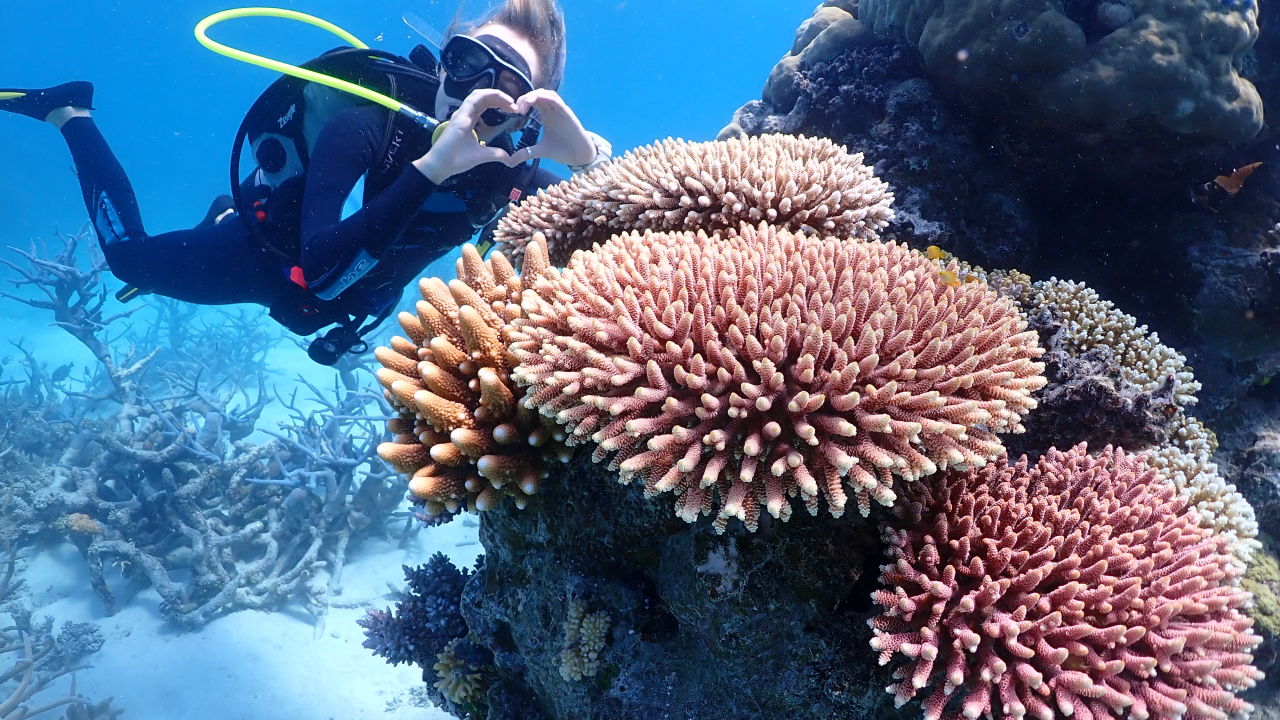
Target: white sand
{"x": 248, "y": 665}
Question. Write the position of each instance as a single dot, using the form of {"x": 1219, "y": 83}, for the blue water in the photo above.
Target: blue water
{"x": 637, "y": 70}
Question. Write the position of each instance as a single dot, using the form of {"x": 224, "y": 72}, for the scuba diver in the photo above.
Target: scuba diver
{"x": 410, "y": 194}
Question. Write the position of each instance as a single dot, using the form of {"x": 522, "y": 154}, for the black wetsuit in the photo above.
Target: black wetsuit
{"x": 405, "y": 224}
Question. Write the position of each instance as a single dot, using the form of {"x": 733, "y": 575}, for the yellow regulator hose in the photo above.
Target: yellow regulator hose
{"x": 299, "y": 72}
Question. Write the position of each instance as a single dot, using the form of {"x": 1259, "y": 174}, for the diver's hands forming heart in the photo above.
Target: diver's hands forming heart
{"x": 564, "y": 140}
{"x": 458, "y": 147}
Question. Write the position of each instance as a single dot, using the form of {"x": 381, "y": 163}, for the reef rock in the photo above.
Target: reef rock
{"x": 778, "y": 615}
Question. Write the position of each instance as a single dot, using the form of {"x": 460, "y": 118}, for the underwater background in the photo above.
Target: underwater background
{"x": 169, "y": 109}
{"x": 1047, "y": 228}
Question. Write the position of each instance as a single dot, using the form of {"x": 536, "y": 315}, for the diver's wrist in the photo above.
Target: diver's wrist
{"x": 601, "y": 149}
{"x": 431, "y": 168}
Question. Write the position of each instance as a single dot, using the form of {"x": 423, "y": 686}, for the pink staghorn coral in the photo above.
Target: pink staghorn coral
{"x": 748, "y": 369}
{"x": 1079, "y": 587}
{"x": 800, "y": 183}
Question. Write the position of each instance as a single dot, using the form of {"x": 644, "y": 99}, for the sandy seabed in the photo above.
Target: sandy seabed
{"x": 249, "y": 665}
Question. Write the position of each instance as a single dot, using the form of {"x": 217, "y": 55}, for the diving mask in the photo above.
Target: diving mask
{"x": 484, "y": 62}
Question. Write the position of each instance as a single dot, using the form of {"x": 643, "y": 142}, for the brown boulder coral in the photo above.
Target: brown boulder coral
{"x": 1106, "y": 63}
{"x": 738, "y": 372}
{"x": 463, "y": 435}
{"x": 799, "y": 183}
{"x": 1078, "y": 587}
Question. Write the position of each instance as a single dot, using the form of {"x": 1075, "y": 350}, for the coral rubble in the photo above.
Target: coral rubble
{"x": 145, "y": 460}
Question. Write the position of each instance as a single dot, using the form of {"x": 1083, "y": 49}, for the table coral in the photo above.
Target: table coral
{"x": 1175, "y": 60}
{"x": 798, "y": 183}
{"x": 462, "y": 434}
{"x": 1078, "y": 586}
{"x": 738, "y": 372}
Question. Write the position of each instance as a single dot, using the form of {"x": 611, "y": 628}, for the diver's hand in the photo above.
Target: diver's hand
{"x": 458, "y": 148}
{"x": 564, "y": 140}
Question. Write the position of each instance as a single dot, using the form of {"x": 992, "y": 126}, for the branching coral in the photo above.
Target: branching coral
{"x": 1090, "y": 321}
{"x": 151, "y": 443}
{"x": 32, "y": 662}
{"x": 798, "y": 183}
{"x": 763, "y": 365}
{"x": 426, "y": 618}
{"x": 463, "y": 435}
{"x": 1216, "y": 502}
{"x": 460, "y": 682}
{"x": 585, "y": 635}
{"x": 1075, "y": 587}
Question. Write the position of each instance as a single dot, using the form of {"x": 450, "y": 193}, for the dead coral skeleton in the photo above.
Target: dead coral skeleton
{"x": 153, "y": 445}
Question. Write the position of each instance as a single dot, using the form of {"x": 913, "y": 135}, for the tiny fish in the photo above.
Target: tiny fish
{"x": 1235, "y": 181}
{"x": 61, "y": 373}
{"x": 936, "y": 253}
{"x": 971, "y": 278}
{"x": 948, "y": 277}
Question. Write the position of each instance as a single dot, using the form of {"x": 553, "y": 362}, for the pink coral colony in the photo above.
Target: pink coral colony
{"x": 1078, "y": 587}
{"x": 742, "y": 370}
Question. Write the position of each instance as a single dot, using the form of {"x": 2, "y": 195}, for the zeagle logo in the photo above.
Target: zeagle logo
{"x": 284, "y": 119}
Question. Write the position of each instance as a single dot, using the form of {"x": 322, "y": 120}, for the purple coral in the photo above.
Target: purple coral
{"x": 425, "y": 618}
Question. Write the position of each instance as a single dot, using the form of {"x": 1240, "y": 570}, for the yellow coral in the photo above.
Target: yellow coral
{"x": 83, "y": 524}
{"x": 458, "y": 681}
{"x": 585, "y": 635}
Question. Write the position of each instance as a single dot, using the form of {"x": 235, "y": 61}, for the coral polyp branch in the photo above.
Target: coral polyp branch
{"x": 742, "y": 371}
{"x": 1079, "y": 586}
{"x": 462, "y": 434}
{"x": 798, "y": 183}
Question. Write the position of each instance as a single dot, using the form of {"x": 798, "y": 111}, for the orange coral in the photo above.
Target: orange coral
{"x": 803, "y": 184}
{"x": 759, "y": 366}
{"x": 462, "y": 436}
{"x": 83, "y": 524}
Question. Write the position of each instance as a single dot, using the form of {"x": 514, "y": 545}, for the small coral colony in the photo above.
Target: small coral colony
{"x": 722, "y": 323}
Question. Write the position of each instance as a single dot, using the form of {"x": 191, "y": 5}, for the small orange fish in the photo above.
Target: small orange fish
{"x": 1235, "y": 181}
{"x": 936, "y": 253}
{"x": 948, "y": 277}
{"x": 971, "y": 278}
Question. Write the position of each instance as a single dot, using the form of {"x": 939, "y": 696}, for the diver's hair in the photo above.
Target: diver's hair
{"x": 541, "y": 22}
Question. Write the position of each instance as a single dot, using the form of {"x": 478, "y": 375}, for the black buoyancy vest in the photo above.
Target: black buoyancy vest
{"x": 282, "y": 125}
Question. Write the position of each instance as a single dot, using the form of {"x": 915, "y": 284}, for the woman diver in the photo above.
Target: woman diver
{"x": 422, "y": 195}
